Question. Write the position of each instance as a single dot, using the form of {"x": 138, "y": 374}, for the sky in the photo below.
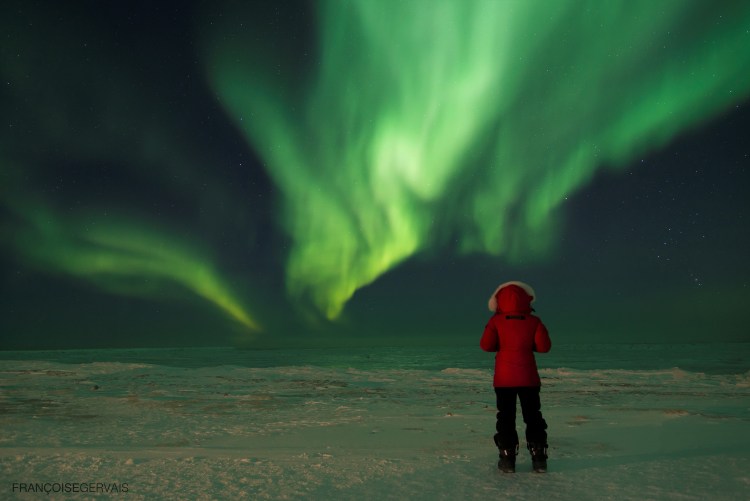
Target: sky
{"x": 355, "y": 173}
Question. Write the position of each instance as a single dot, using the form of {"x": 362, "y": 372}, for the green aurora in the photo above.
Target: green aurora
{"x": 461, "y": 123}
{"x": 125, "y": 258}
{"x": 92, "y": 233}
{"x": 357, "y": 161}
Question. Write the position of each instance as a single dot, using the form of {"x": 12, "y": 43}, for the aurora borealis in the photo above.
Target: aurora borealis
{"x": 359, "y": 171}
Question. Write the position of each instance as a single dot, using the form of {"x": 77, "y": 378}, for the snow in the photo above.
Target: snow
{"x": 625, "y": 423}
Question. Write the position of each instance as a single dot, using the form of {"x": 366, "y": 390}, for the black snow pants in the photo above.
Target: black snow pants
{"x": 536, "y": 426}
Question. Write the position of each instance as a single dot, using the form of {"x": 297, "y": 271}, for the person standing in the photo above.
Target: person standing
{"x": 515, "y": 334}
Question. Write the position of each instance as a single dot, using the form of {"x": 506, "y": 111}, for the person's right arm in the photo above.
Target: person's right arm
{"x": 542, "y": 343}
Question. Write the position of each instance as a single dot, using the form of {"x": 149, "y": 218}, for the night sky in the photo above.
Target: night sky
{"x": 343, "y": 173}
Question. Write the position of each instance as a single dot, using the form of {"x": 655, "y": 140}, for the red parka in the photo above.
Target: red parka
{"x": 515, "y": 334}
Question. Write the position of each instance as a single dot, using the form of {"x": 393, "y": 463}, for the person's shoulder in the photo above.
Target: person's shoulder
{"x": 495, "y": 317}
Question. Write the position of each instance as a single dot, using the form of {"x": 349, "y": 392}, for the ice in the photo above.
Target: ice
{"x": 631, "y": 423}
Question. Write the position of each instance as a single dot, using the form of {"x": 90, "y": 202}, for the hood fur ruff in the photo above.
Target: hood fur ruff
{"x": 492, "y": 303}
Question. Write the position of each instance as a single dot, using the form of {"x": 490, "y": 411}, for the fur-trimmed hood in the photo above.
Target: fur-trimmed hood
{"x": 513, "y": 302}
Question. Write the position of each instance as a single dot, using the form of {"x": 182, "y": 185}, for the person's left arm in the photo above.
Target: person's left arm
{"x": 489, "y": 341}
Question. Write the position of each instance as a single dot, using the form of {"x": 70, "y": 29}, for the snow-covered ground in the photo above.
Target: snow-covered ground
{"x": 625, "y": 423}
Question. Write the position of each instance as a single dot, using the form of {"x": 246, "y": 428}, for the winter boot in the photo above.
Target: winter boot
{"x": 538, "y": 456}
{"x": 507, "y": 463}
